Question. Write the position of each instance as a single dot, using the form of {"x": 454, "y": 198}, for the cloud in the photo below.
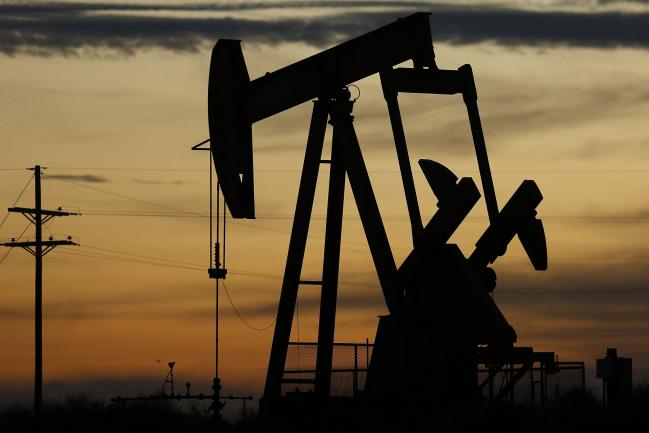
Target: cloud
{"x": 90, "y": 178}
{"x": 607, "y": 2}
{"x": 350, "y": 300}
{"x": 631, "y": 216}
{"x": 56, "y": 28}
{"x": 157, "y": 182}
{"x": 10, "y": 314}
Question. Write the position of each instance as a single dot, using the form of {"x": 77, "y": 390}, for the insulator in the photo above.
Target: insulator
{"x": 217, "y": 254}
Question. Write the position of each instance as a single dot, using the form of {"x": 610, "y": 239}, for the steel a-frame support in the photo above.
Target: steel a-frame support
{"x": 346, "y": 159}
{"x": 297, "y": 245}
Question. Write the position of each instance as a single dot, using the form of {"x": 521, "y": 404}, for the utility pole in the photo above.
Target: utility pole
{"x": 38, "y": 248}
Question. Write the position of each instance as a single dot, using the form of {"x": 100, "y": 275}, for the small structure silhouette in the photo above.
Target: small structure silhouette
{"x": 169, "y": 379}
{"x": 216, "y": 396}
{"x": 617, "y": 378}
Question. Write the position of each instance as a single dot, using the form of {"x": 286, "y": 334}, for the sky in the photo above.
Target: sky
{"x": 111, "y": 96}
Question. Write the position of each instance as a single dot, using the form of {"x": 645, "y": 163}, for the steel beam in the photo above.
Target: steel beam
{"x": 296, "y": 249}
{"x": 470, "y": 96}
{"x": 398, "y": 133}
{"x": 326, "y": 72}
{"x": 368, "y": 209}
{"x": 331, "y": 262}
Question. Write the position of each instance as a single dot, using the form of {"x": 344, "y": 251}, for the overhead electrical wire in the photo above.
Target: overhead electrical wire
{"x": 9, "y": 250}
{"x": 126, "y": 197}
{"x": 350, "y": 283}
{"x": 513, "y": 171}
{"x": 241, "y": 318}
{"x": 16, "y": 201}
{"x": 137, "y": 258}
{"x": 168, "y": 265}
{"x": 108, "y": 257}
{"x": 182, "y": 211}
{"x": 158, "y": 261}
{"x": 142, "y": 256}
{"x": 176, "y": 212}
{"x": 603, "y": 219}
{"x": 600, "y": 219}
{"x": 129, "y": 257}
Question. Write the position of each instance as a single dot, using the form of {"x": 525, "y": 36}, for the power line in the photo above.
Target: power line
{"x": 572, "y": 292}
{"x": 17, "y": 238}
{"x": 252, "y": 274}
{"x": 16, "y": 202}
{"x": 126, "y": 197}
{"x": 188, "y": 266}
{"x": 90, "y": 254}
{"x": 517, "y": 171}
{"x": 182, "y": 211}
{"x": 143, "y": 214}
{"x": 143, "y": 256}
{"x": 261, "y": 227}
{"x": 364, "y": 285}
{"x": 129, "y": 257}
{"x": 603, "y": 219}
{"x": 243, "y": 320}
{"x": 185, "y": 265}
{"x": 123, "y": 256}
{"x": 129, "y": 169}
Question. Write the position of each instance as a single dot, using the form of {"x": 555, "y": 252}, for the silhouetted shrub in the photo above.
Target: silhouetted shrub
{"x": 575, "y": 411}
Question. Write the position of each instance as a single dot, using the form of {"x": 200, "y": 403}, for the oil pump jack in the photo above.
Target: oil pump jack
{"x": 442, "y": 320}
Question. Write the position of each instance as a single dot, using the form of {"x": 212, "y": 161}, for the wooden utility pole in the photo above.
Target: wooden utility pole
{"x": 38, "y": 248}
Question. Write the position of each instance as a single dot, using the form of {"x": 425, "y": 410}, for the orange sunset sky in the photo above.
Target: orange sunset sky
{"x": 110, "y": 98}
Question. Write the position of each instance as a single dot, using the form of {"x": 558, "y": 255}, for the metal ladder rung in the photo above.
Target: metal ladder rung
{"x": 310, "y": 282}
{"x": 297, "y": 380}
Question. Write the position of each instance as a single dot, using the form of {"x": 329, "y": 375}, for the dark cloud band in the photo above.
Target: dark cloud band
{"x": 72, "y": 29}
{"x": 91, "y": 178}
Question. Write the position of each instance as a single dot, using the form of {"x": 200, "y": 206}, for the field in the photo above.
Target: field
{"x": 576, "y": 411}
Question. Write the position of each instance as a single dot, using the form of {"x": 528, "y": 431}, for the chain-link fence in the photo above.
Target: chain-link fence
{"x": 350, "y": 363}
{"x": 348, "y": 370}
{"x": 536, "y": 385}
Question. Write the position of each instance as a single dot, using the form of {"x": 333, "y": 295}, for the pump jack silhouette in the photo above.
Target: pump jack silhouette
{"x": 442, "y": 320}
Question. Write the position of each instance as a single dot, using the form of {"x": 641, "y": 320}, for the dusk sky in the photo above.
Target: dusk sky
{"x": 111, "y": 96}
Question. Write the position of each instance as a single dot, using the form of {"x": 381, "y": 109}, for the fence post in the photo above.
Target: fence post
{"x": 367, "y": 354}
{"x": 355, "y": 376}
{"x": 533, "y": 397}
{"x": 543, "y": 384}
